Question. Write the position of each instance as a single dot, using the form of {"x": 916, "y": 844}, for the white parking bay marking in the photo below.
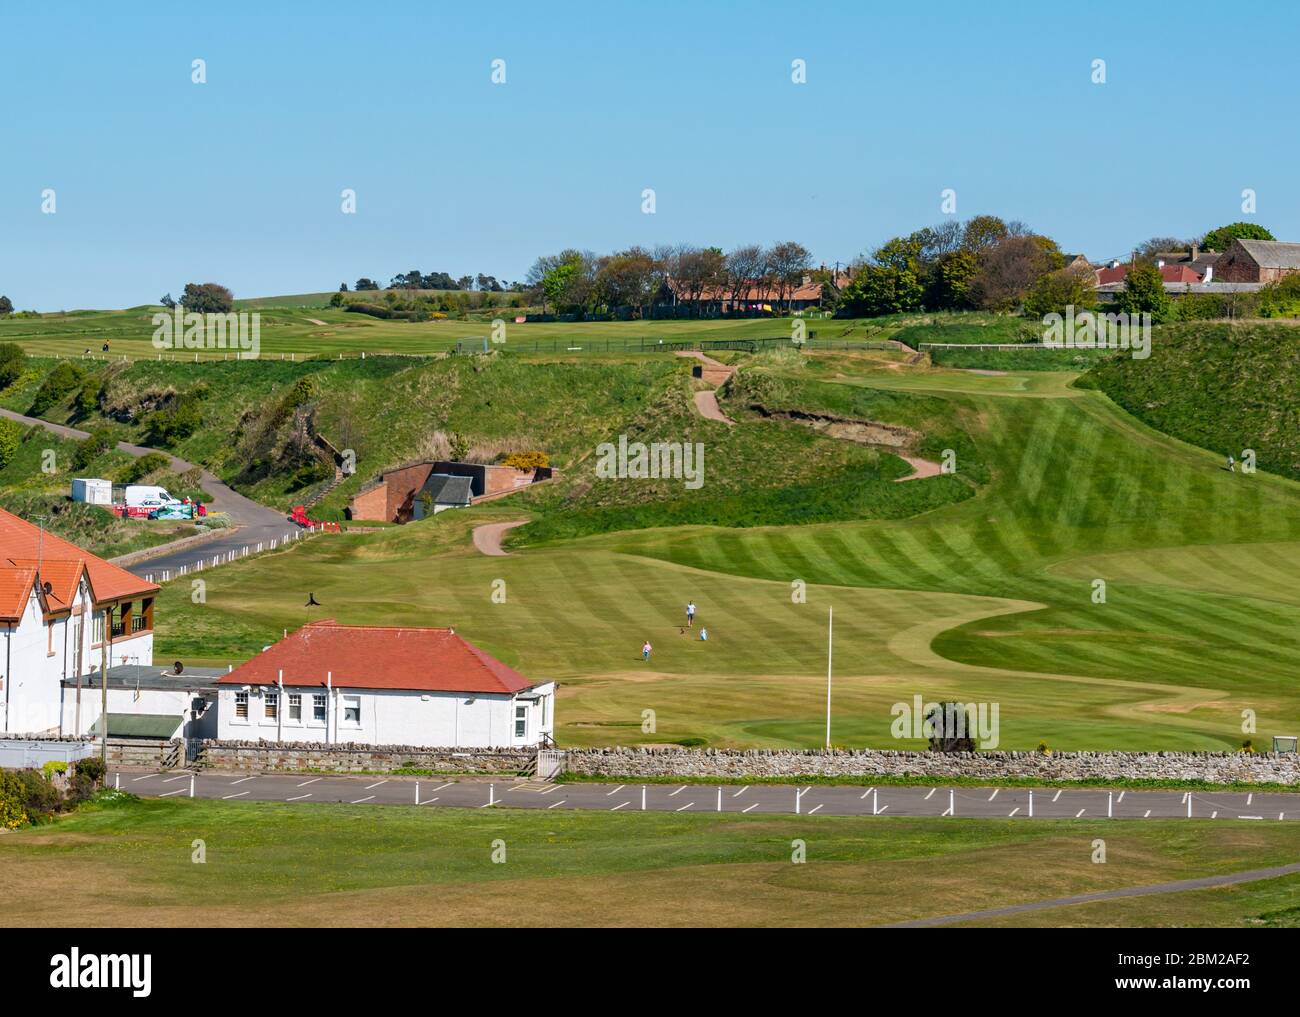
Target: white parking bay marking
{"x": 239, "y": 795}
{"x": 1080, "y": 813}
{"x": 242, "y": 779}
{"x": 741, "y": 791}
{"x": 441, "y": 786}
{"x": 930, "y": 795}
{"x": 172, "y": 780}
{"x": 995, "y": 793}
{"x": 673, "y": 794}
{"x": 299, "y": 797}
{"x": 815, "y": 808}
{"x": 306, "y": 782}
{"x": 1147, "y": 814}
{"x": 368, "y": 798}
{"x": 370, "y": 787}
{"x": 865, "y": 793}
{"x": 1057, "y": 795}
{"x": 616, "y": 790}
{"x": 145, "y": 777}
{"x": 554, "y": 805}
{"x": 168, "y": 794}
{"x": 620, "y": 805}
{"x": 748, "y": 807}
{"x": 1014, "y": 811}
{"x": 685, "y": 807}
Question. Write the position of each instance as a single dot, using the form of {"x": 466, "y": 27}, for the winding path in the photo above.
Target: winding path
{"x": 253, "y": 521}
{"x": 714, "y": 373}
{"x": 487, "y": 538}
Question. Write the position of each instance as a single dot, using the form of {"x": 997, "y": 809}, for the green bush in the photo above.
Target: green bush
{"x": 11, "y": 436}
{"x": 91, "y": 767}
{"x": 57, "y": 386}
{"x": 13, "y": 361}
{"x": 140, "y": 468}
{"x": 98, "y": 443}
{"x": 13, "y": 803}
{"x": 54, "y": 766}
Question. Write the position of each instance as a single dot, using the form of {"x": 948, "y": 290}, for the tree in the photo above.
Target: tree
{"x": 207, "y": 298}
{"x": 6, "y": 306}
{"x": 1144, "y": 291}
{"x": 744, "y": 268}
{"x": 983, "y": 233}
{"x": 788, "y": 263}
{"x": 365, "y": 283}
{"x": 1055, "y": 291}
{"x": 1222, "y": 238}
{"x": 1148, "y": 249}
{"x": 949, "y": 281}
{"x": 1007, "y": 271}
{"x": 343, "y": 287}
{"x": 167, "y": 301}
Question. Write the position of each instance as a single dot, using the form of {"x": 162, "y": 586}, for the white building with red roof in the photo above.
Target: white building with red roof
{"x": 63, "y": 613}
{"x": 383, "y": 685}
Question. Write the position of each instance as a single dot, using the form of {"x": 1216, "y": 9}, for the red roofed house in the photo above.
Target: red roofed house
{"x": 383, "y": 685}
{"x": 57, "y": 601}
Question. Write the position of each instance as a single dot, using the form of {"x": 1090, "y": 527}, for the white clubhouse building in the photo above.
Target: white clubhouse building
{"x": 383, "y": 685}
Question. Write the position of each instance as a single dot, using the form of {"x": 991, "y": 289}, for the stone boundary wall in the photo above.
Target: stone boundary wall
{"x": 353, "y": 758}
{"x": 1214, "y": 767}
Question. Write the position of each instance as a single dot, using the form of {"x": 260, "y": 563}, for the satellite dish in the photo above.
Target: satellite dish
{"x": 48, "y": 588}
{"x": 178, "y": 667}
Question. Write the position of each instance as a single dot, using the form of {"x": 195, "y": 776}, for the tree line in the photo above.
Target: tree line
{"x": 639, "y": 277}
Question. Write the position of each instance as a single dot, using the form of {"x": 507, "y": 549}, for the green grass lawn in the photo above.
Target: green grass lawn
{"x": 292, "y": 331}
{"x": 985, "y": 599}
{"x": 318, "y": 865}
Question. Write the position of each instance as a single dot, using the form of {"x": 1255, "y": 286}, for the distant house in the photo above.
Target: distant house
{"x": 1258, "y": 261}
{"x": 383, "y": 685}
{"x": 757, "y": 296}
{"x": 395, "y": 496}
{"x": 63, "y": 613}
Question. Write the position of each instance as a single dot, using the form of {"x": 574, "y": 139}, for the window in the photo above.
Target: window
{"x": 272, "y": 707}
{"x": 97, "y": 628}
{"x": 241, "y": 705}
{"x": 318, "y": 706}
{"x": 352, "y": 710}
{"x": 76, "y": 645}
{"x": 49, "y": 639}
{"x": 295, "y": 706}
{"x": 521, "y": 721}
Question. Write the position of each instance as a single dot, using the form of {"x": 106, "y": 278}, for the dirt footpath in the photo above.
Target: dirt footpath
{"x": 487, "y": 538}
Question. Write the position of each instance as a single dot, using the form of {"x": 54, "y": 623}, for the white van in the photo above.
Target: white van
{"x": 148, "y": 496}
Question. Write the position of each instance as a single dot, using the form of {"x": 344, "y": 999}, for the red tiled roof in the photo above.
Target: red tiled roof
{"x": 1168, "y": 273}
{"x": 21, "y": 541}
{"x": 379, "y": 657}
{"x": 63, "y": 577}
{"x": 15, "y": 587}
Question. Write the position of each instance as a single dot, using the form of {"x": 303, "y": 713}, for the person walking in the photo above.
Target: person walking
{"x": 645, "y": 651}
{"x": 690, "y": 613}
{"x": 1232, "y": 464}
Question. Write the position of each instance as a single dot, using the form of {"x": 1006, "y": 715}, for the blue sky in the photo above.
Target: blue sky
{"x": 160, "y": 181}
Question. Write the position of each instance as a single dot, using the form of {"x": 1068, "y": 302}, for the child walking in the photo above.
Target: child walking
{"x": 645, "y": 651}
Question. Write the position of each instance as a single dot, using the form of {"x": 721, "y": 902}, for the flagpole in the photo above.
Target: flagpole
{"x": 829, "y": 644}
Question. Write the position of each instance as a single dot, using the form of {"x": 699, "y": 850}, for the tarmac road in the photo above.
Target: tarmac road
{"x": 818, "y": 799}
{"x": 253, "y": 522}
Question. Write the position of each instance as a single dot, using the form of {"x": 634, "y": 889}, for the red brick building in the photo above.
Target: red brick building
{"x": 392, "y": 497}
{"x": 1257, "y": 261}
